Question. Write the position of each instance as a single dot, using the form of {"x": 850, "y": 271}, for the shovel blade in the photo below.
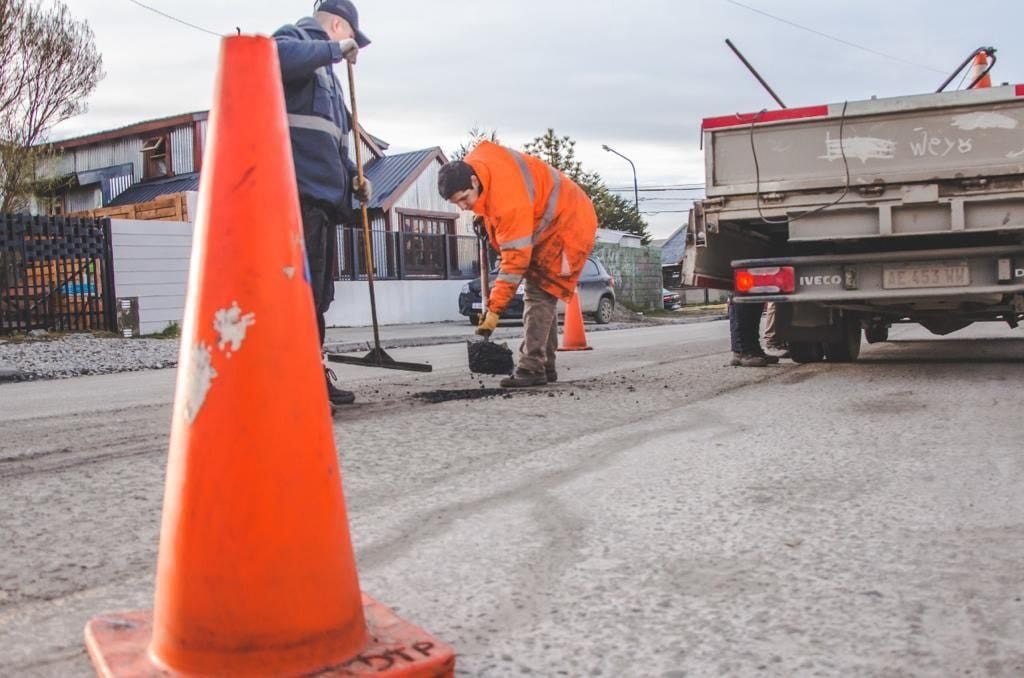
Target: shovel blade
{"x": 379, "y": 358}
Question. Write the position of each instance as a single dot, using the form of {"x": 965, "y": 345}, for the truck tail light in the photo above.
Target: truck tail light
{"x": 766, "y": 280}
{"x": 611, "y": 281}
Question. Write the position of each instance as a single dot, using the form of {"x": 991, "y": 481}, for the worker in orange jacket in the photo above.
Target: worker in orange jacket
{"x": 543, "y": 225}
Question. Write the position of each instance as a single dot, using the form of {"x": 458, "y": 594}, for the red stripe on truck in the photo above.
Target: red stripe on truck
{"x": 737, "y": 120}
{"x": 1020, "y": 90}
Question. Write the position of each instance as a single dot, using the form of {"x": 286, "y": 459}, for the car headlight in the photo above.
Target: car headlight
{"x": 465, "y": 288}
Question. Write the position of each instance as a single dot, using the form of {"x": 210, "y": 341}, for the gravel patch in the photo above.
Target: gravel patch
{"x": 74, "y": 355}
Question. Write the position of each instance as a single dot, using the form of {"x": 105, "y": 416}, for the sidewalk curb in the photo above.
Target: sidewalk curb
{"x": 412, "y": 342}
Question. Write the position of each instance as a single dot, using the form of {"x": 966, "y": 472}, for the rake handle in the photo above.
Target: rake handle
{"x": 367, "y": 243}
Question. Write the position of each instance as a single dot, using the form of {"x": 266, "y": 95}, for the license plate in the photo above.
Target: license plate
{"x": 918, "y": 276}
{"x": 478, "y": 304}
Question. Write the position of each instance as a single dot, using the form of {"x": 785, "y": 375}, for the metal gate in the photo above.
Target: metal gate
{"x": 56, "y": 273}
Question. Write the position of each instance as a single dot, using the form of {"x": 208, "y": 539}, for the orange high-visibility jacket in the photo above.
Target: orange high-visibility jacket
{"x": 541, "y": 222}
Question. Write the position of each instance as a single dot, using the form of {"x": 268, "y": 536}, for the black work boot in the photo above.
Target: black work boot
{"x": 768, "y": 357}
{"x": 551, "y": 374}
{"x": 748, "y": 360}
{"x": 523, "y": 379}
{"x": 336, "y": 395}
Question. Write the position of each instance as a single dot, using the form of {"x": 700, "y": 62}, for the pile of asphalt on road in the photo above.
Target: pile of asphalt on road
{"x": 486, "y": 357}
{"x": 444, "y": 396}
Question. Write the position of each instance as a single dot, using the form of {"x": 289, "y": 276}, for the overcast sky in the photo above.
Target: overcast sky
{"x": 638, "y": 76}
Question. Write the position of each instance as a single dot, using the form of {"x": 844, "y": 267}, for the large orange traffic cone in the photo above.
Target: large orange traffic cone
{"x": 256, "y": 574}
{"x": 977, "y": 68}
{"x": 573, "y": 336}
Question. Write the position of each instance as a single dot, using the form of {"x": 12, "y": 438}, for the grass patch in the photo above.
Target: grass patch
{"x": 172, "y": 331}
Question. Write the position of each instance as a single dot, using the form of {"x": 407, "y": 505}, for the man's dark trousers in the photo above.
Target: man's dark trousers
{"x": 745, "y": 327}
{"x": 319, "y": 228}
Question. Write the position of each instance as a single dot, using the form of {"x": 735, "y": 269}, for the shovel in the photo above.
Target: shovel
{"x": 486, "y": 357}
{"x": 376, "y": 357}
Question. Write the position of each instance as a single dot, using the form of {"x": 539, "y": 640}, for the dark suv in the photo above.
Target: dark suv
{"x": 596, "y": 286}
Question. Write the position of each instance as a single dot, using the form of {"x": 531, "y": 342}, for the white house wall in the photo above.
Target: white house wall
{"x": 192, "y": 203}
{"x": 203, "y": 127}
{"x": 183, "y": 149}
{"x": 109, "y": 154}
{"x": 83, "y": 199}
{"x": 398, "y": 302}
{"x": 57, "y": 165}
{"x": 123, "y": 151}
{"x": 151, "y": 260}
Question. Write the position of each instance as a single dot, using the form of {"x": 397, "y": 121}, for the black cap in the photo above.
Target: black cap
{"x": 347, "y": 11}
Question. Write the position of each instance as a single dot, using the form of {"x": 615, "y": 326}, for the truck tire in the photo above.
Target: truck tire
{"x": 876, "y": 334}
{"x": 806, "y": 352}
{"x": 847, "y": 349}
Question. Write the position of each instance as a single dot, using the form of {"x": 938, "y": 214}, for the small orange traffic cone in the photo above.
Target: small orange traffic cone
{"x": 573, "y": 336}
{"x": 977, "y": 68}
{"x": 256, "y": 574}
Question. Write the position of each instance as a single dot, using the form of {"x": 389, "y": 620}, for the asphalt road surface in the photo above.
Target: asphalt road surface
{"x": 655, "y": 513}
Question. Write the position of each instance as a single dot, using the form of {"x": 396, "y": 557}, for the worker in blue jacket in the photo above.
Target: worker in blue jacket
{"x": 320, "y": 125}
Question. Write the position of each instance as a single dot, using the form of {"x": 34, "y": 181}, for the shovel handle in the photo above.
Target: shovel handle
{"x": 485, "y": 287}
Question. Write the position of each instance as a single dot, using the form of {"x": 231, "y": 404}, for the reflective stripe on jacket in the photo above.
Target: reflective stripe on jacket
{"x": 541, "y": 222}
{"x": 318, "y": 122}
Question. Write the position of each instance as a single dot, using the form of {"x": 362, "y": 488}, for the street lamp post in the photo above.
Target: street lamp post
{"x": 636, "y": 189}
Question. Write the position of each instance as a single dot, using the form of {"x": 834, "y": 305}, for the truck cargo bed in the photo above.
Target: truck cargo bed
{"x": 924, "y": 138}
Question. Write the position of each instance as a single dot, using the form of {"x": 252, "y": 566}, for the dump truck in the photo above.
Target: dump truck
{"x": 854, "y": 216}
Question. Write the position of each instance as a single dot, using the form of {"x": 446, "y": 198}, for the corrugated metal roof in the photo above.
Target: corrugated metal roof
{"x": 674, "y": 248}
{"x": 387, "y": 174}
{"x": 151, "y": 190}
{"x": 95, "y": 176}
{"x": 621, "y": 238}
{"x": 383, "y": 145}
{"x": 133, "y": 128}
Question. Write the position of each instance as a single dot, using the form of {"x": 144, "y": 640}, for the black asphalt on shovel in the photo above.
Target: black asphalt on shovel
{"x": 486, "y": 357}
{"x": 377, "y": 357}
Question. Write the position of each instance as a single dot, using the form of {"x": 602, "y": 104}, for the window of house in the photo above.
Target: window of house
{"x": 155, "y": 160}
{"x": 51, "y": 205}
{"x": 424, "y": 245}
{"x": 428, "y": 225}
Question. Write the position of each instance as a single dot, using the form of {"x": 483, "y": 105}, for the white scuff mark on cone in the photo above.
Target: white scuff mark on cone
{"x": 232, "y": 326}
{"x": 984, "y": 120}
{"x": 289, "y": 272}
{"x": 859, "y": 148}
{"x": 200, "y": 376}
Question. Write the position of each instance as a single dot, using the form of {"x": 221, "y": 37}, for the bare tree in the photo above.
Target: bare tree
{"x": 476, "y": 135}
{"x": 49, "y": 65}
